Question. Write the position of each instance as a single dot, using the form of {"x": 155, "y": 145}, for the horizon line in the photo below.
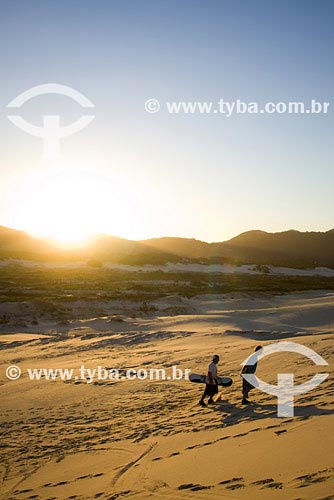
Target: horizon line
{"x": 97, "y": 234}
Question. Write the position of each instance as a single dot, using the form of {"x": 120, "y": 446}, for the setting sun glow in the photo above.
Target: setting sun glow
{"x": 70, "y": 207}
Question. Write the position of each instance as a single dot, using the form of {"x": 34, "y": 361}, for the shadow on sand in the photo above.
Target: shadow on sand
{"x": 234, "y": 414}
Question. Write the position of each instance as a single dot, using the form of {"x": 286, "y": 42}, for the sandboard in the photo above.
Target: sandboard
{"x": 204, "y": 379}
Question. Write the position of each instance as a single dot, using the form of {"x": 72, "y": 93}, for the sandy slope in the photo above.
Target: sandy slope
{"x": 149, "y": 439}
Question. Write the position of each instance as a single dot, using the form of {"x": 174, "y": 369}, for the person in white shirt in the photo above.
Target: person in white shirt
{"x": 211, "y": 387}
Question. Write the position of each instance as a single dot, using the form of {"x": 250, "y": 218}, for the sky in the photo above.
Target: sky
{"x": 141, "y": 175}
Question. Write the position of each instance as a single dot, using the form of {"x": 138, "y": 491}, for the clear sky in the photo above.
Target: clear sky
{"x": 140, "y": 175}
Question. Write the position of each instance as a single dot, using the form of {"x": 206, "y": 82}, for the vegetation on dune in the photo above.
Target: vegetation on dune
{"x": 19, "y": 283}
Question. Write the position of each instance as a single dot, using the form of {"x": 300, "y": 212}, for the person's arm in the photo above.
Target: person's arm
{"x": 211, "y": 381}
{"x": 245, "y": 369}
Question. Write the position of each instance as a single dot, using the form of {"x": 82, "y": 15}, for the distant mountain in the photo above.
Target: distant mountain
{"x": 14, "y": 243}
{"x": 182, "y": 247}
{"x": 288, "y": 248}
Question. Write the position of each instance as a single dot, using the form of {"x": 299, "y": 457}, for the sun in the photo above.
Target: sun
{"x": 69, "y": 207}
{"x": 66, "y": 207}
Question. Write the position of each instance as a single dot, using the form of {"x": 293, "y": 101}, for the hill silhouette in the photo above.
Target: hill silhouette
{"x": 288, "y": 248}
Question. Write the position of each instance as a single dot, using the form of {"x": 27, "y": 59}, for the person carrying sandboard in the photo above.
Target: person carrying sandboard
{"x": 211, "y": 387}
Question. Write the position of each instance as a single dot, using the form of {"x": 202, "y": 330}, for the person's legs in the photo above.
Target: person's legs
{"x": 213, "y": 391}
{"x": 201, "y": 401}
{"x": 245, "y": 390}
{"x": 245, "y": 401}
{"x": 210, "y": 390}
{"x": 205, "y": 393}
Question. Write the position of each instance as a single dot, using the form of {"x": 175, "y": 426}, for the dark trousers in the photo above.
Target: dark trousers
{"x": 210, "y": 390}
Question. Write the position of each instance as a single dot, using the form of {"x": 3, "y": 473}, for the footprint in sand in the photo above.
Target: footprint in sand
{"x": 120, "y": 494}
{"x": 315, "y": 477}
{"x": 193, "y": 487}
{"x": 263, "y": 481}
{"x": 268, "y": 483}
{"x": 275, "y": 485}
{"x": 233, "y": 484}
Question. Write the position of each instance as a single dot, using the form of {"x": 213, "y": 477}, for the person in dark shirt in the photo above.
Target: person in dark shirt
{"x": 246, "y": 386}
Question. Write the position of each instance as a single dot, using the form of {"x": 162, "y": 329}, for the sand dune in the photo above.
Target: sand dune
{"x": 149, "y": 439}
